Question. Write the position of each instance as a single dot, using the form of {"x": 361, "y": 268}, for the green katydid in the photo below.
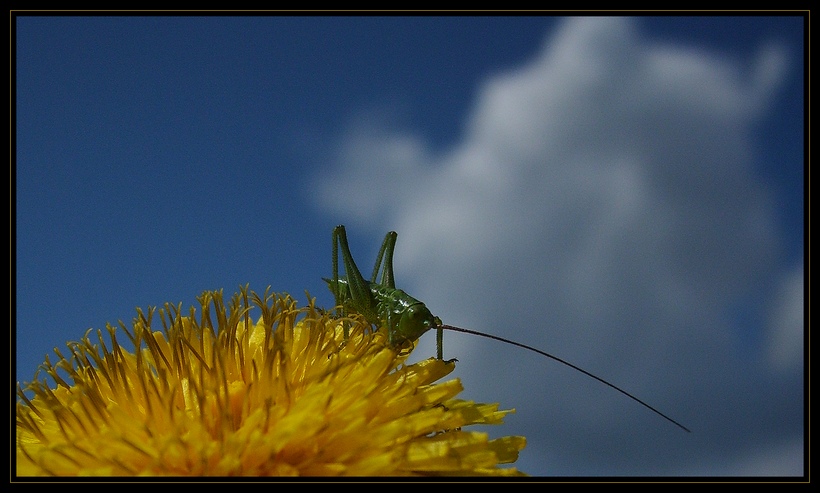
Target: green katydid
{"x": 405, "y": 317}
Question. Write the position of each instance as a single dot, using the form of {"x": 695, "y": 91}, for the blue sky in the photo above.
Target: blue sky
{"x": 624, "y": 193}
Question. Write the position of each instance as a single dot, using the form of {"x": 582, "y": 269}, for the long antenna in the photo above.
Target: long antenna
{"x": 508, "y": 341}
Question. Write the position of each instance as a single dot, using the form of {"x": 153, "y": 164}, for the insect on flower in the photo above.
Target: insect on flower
{"x": 406, "y": 318}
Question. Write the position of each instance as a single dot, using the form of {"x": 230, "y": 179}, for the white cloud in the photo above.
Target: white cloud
{"x": 602, "y": 206}
{"x": 778, "y": 460}
{"x": 786, "y": 326}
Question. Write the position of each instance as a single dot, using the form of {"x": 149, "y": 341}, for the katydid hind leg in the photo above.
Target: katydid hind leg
{"x": 337, "y": 294}
{"x": 358, "y": 290}
{"x": 385, "y": 260}
{"x": 340, "y": 297}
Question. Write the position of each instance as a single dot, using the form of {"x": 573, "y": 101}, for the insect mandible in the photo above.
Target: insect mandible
{"x": 406, "y": 318}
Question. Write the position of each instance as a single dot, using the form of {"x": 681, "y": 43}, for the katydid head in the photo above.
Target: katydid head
{"x": 416, "y": 320}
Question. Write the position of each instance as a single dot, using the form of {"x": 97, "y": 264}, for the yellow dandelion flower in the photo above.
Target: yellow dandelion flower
{"x": 225, "y": 396}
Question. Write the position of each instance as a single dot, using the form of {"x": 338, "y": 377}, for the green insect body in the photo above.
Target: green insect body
{"x": 405, "y": 317}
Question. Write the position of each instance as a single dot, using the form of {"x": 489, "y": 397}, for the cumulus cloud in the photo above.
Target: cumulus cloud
{"x": 602, "y": 205}
{"x": 787, "y": 324}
